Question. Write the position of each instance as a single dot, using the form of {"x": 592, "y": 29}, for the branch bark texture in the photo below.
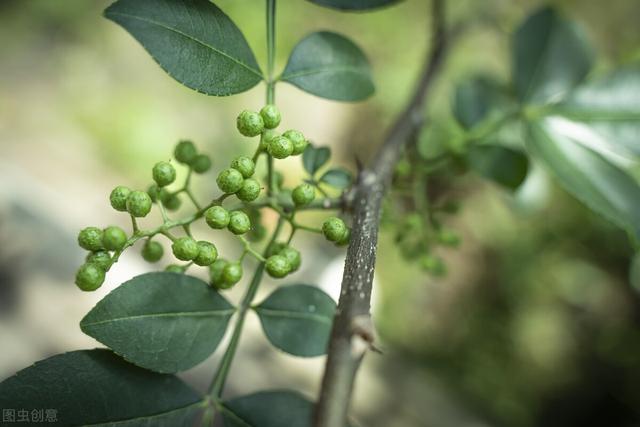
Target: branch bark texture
{"x": 352, "y": 333}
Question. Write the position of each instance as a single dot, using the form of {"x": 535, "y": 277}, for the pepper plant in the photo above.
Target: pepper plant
{"x": 584, "y": 130}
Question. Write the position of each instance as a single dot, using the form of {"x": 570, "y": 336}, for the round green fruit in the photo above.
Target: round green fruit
{"x": 90, "y": 238}
{"x": 207, "y": 254}
{"x": 280, "y": 147}
{"x": 215, "y": 273}
{"x": 185, "y": 248}
{"x": 232, "y": 273}
{"x": 164, "y": 173}
{"x": 139, "y": 204}
{"x": 270, "y": 116}
{"x": 297, "y": 139}
{"x": 201, "y": 164}
{"x": 303, "y": 194}
{"x": 293, "y": 257}
{"x": 250, "y": 123}
{"x": 100, "y": 258}
{"x": 250, "y": 190}
{"x": 239, "y": 222}
{"x": 174, "y": 268}
{"x": 229, "y": 181}
{"x": 118, "y": 198}
{"x": 334, "y": 229}
{"x": 277, "y": 266}
{"x": 89, "y": 277}
{"x": 152, "y": 251}
{"x": 217, "y": 217}
{"x": 244, "y": 165}
{"x": 185, "y": 152}
{"x": 114, "y": 238}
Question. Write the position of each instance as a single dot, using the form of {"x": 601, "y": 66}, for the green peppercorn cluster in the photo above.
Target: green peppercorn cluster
{"x": 237, "y": 210}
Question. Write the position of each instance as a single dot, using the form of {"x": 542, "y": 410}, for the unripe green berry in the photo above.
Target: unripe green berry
{"x": 185, "y": 248}
{"x": 303, "y": 194}
{"x": 171, "y": 201}
{"x": 185, "y": 152}
{"x": 201, "y": 164}
{"x": 114, "y": 238}
{"x": 297, "y": 139}
{"x": 90, "y": 238}
{"x": 156, "y": 192}
{"x": 433, "y": 265}
{"x": 163, "y": 173}
{"x": 275, "y": 248}
{"x": 239, "y": 222}
{"x": 89, "y": 277}
{"x": 139, "y": 204}
{"x": 100, "y": 258}
{"x": 118, "y": 198}
{"x": 152, "y": 251}
{"x": 280, "y": 147}
{"x": 270, "y": 116}
{"x": 217, "y": 217}
{"x": 267, "y": 136}
{"x": 215, "y": 274}
{"x": 250, "y": 123}
{"x": 207, "y": 254}
{"x": 293, "y": 257}
{"x": 174, "y": 268}
{"x": 277, "y": 266}
{"x": 229, "y": 181}
{"x": 250, "y": 190}
{"x": 448, "y": 237}
{"x": 257, "y": 232}
{"x": 232, "y": 273}
{"x": 334, "y": 229}
{"x": 244, "y": 165}
{"x": 345, "y": 239}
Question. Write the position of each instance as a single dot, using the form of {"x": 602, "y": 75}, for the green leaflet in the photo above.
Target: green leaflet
{"x": 331, "y": 66}
{"x": 98, "y": 388}
{"x": 354, "y": 5}
{"x": 166, "y": 322}
{"x": 297, "y": 319}
{"x": 503, "y": 165}
{"x": 193, "y": 41}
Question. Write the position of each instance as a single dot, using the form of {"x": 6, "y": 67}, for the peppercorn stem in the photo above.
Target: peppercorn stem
{"x": 217, "y": 385}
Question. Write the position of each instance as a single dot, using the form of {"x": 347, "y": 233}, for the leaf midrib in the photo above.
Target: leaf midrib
{"x": 166, "y": 27}
{"x": 293, "y": 315}
{"x": 217, "y": 313}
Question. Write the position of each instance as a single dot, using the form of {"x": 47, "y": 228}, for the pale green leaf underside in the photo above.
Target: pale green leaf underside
{"x": 550, "y": 57}
{"x": 297, "y": 319}
{"x": 193, "y": 41}
{"x": 610, "y": 108}
{"x": 330, "y": 66}
{"x": 98, "y": 388}
{"x": 600, "y": 184}
{"x": 166, "y": 322}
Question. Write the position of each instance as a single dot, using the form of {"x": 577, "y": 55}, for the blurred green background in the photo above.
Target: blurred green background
{"x": 536, "y": 324}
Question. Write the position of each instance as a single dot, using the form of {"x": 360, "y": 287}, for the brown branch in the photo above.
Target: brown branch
{"x": 352, "y": 334}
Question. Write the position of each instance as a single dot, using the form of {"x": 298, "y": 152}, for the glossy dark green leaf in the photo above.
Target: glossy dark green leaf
{"x": 193, "y": 41}
{"x": 166, "y": 322}
{"x": 550, "y": 57}
{"x": 268, "y": 409}
{"x": 337, "y": 178}
{"x": 97, "y": 387}
{"x": 354, "y": 4}
{"x": 503, "y": 165}
{"x": 297, "y": 319}
{"x": 476, "y": 98}
{"x": 330, "y": 66}
{"x": 597, "y": 182}
{"x": 608, "y": 109}
{"x": 314, "y": 158}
